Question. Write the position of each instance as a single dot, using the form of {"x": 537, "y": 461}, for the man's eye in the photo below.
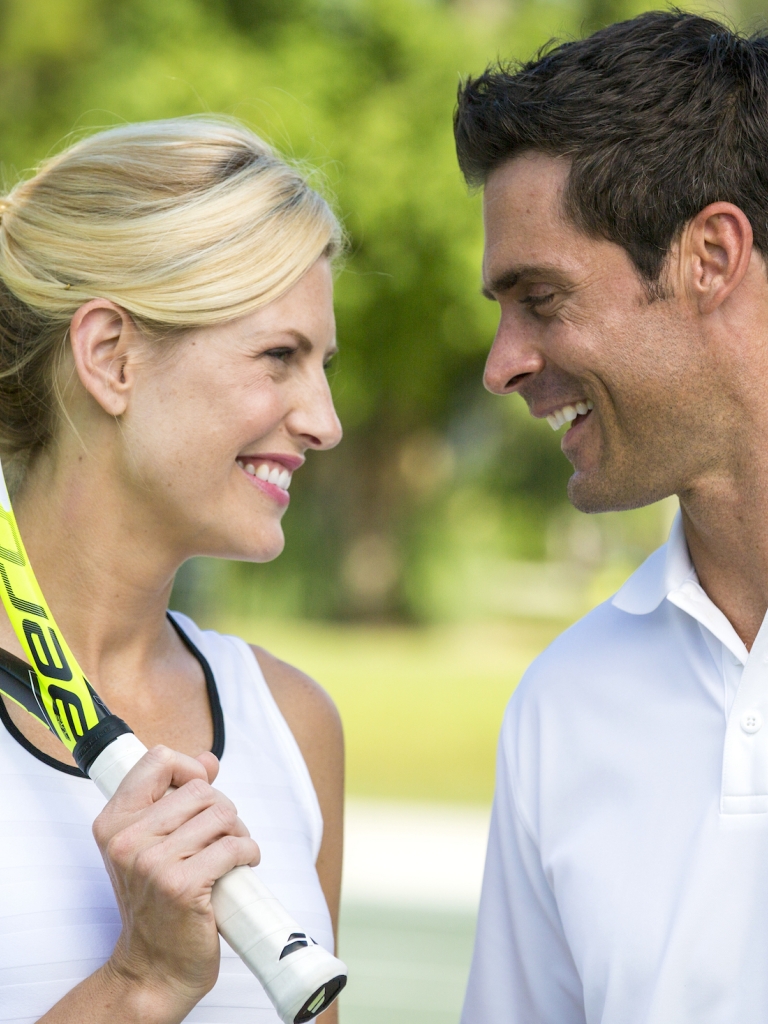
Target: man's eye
{"x": 537, "y": 301}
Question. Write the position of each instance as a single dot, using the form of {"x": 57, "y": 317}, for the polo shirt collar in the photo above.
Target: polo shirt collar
{"x": 665, "y": 571}
{"x": 669, "y": 574}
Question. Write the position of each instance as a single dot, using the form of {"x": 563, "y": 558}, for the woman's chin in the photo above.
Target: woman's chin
{"x": 266, "y": 550}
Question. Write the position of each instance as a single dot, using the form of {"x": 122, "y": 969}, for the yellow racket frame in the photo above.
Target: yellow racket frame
{"x": 66, "y": 700}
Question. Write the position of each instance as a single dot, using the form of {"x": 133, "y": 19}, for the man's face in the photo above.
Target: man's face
{"x": 578, "y": 329}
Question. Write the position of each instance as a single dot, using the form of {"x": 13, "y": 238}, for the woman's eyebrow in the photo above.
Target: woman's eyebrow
{"x": 302, "y": 339}
{"x": 289, "y": 332}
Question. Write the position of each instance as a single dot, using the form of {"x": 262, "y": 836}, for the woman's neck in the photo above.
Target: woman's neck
{"x": 105, "y": 572}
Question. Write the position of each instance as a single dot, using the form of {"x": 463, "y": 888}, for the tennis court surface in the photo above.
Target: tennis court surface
{"x": 411, "y": 885}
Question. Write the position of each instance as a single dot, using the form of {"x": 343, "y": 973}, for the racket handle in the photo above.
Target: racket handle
{"x": 301, "y": 978}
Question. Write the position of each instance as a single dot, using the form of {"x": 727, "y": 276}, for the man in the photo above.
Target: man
{"x": 625, "y": 186}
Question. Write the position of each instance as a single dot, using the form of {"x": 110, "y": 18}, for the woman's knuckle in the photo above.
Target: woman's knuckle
{"x": 100, "y": 831}
{"x": 119, "y": 848}
{"x": 225, "y": 801}
{"x": 198, "y": 788}
{"x": 146, "y": 861}
{"x": 231, "y": 845}
{"x": 225, "y": 816}
{"x": 159, "y": 754}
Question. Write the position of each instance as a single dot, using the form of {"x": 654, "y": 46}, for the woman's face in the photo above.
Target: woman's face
{"x": 217, "y": 425}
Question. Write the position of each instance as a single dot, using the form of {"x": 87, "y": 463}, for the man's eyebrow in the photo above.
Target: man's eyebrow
{"x": 507, "y": 280}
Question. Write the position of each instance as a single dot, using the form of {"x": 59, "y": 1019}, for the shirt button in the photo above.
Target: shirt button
{"x": 751, "y": 721}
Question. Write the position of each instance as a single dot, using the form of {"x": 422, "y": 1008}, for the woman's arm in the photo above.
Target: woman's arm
{"x": 314, "y": 721}
{"x": 163, "y": 852}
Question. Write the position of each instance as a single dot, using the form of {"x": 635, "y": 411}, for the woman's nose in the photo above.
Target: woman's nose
{"x": 314, "y": 416}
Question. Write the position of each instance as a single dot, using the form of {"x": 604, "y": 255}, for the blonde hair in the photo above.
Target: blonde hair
{"x": 183, "y": 223}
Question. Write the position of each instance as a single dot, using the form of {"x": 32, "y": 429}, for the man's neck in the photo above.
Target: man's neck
{"x": 726, "y": 527}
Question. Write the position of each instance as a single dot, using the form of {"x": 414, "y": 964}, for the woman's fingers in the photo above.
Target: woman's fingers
{"x": 222, "y": 856}
{"x": 158, "y": 770}
{"x": 155, "y": 834}
{"x": 137, "y": 816}
{"x": 166, "y": 836}
{"x": 180, "y": 805}
{"x": 211, "y": 764}
{"x": 203, "y": 829}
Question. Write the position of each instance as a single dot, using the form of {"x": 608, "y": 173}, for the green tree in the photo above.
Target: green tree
{"x": 363, "y": 90}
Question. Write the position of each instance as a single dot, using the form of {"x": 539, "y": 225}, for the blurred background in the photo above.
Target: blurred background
{"x": 432, "y": 555}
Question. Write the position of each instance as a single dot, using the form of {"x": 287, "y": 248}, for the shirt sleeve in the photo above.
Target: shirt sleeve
{"x": 522, "y": 969}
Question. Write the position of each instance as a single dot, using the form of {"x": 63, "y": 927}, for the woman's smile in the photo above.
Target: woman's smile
{"x": 272, "y": 474}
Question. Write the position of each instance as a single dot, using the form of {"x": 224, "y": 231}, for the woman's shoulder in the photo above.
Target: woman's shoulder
{"x": 308, "y": 709}
{"x": 315, "y": 723}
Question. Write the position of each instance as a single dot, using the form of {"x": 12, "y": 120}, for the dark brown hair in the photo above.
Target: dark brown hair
{"x": 659, "y": 116}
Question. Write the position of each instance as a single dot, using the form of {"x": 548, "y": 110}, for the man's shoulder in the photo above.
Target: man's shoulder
{"x": 602, "y": 634}
{"x": 608, "y": 649}
{"x": 602, "y": 681}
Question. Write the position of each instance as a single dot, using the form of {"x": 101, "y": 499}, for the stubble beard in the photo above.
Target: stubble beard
{"x": 622, "y": 481}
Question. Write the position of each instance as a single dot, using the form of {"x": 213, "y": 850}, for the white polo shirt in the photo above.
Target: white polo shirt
{"x": 627, "y": 872}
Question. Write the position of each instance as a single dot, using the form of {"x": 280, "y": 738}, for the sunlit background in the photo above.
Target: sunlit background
{"x": 432, "y": 555}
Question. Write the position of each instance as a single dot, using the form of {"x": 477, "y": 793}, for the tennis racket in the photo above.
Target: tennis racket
{"x": 300, "y": 977}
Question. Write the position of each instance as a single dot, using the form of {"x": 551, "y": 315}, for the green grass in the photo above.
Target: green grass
{"x": 421, "y": 706}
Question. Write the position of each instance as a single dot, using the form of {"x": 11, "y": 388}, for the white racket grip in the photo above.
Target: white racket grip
{"x": 115, "y": 761}
{"x": 300, "y": 977}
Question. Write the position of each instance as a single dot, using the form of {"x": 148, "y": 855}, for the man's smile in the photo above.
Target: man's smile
{"x": 569, "y": 413}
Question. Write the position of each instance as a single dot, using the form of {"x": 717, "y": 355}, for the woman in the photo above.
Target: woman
{"x": 165, "y": 322}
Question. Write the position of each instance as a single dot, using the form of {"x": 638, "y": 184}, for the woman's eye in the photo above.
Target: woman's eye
{"x": 283, "y": 354}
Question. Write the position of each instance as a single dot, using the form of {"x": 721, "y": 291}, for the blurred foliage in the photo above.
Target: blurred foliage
{"x": 431, "y": 471}
{"x": 421, "y": 707}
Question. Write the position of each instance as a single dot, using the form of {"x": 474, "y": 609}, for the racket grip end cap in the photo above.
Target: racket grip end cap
{"x": 300, "y": 977}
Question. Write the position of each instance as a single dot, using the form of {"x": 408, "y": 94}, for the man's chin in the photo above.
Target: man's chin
{"x": 596, "y": 491}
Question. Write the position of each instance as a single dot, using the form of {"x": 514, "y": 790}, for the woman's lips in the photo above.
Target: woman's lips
{"x": 269, "y": 475}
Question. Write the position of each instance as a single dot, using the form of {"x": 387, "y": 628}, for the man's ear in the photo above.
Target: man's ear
{"x": 716, "y": 248}
{"x": 104, "y": 343}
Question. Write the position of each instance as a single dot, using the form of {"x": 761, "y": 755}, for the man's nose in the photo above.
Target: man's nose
{"x": 511, "y": 361}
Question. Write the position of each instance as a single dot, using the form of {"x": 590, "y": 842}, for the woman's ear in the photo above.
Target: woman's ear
{"x": 717, "y": 245}
{"x": 105, "y": 348}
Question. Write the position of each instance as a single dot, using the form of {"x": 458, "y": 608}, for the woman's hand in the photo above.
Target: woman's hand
{"x": 163, "y": 851}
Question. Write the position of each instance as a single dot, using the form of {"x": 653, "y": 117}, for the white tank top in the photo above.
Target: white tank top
{"x": 58, "y": 918}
